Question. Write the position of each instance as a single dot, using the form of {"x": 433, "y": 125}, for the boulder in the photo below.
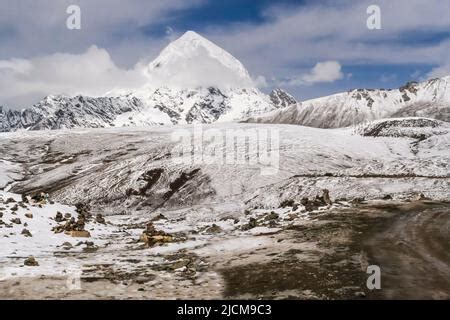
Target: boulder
{"x": 155, "y": 239}
{"x": 272, "y": 216}
{"x": 252, "y": 223}
{"x": 326, "y": 197}
{"x": 99, "y": 219}
{"x": 16, "y": 221}
{"x": 213, "y": 229}
{"x": 10, "y": 200}
{"x": 26, "y": 233}
{"x": 59, "y": 217}
{"x": 78, "y": 234}
{"x": 24, "y": 198}
{"x": 31, "y": 262}
{"x": 40, "y": 198}
{"x": 151, "y": 237}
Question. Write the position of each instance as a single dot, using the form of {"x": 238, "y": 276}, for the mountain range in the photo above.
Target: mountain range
{"x": 195, "y": 81}
{"x": 427, "y": 99}
{"x": 191, "y": 81}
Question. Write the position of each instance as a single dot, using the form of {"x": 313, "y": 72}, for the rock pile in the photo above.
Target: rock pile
{"x": 319, "y": 201}
{"x": 74, "y": 227}
{"x": 41, "y": 198}
{"x": 151, "y": 237}
{"x": 252, "y": 223}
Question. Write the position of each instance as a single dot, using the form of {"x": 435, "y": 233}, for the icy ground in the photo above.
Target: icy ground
{"x": 220, "y": 217}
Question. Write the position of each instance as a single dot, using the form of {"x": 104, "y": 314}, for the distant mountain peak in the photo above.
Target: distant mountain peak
{"x": 191, "y": 81}
{"x": 281, "y": 99}
{"x": 193, "y": 61}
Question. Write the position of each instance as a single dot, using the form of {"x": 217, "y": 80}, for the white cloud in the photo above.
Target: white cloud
{"x": 31, "y": 28}
{"x": 289, "y": 42}
{"x": 260, "y": 82}
{"x": 24, "y": 82}
{"x": 322, "y": 72}
{"x": 327, "y": 71}
{"x": 337, "y": 32}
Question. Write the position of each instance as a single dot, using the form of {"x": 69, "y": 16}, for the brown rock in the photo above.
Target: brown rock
{"x": 272, "y": 216}
{"x": 80, "y": 224}
{"x": 40, "y": 198}
{"x": 213, "y": 229}
{"x": 250, "y": 225}
{"x": 29, "y": 215}
{"x": 326, "y": 197}
{"x": 150, "y": 240}
{"x": 67, "y": 245}
{"x": 26, "y": 233}
{"x": 10, "y": 200}
{"x": 16, "y": 221}
{"x": 287, "y": 203}
{"x": 31, "y": 262}
{"x": 159, "y": 217}
{"x": 78, "y": 234}
{"x": 99, "y": 218}
{"x": 24, "y": 198}
{"x": 59, "y": 217}
{"x": 152, "y": 237}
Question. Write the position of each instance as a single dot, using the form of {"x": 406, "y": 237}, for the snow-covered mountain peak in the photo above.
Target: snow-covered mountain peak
{"x": 191, "y": 81}
{"x": 426, "y": 99}
{"x": 282, "y": 99}
{"x": 193, "y": 61}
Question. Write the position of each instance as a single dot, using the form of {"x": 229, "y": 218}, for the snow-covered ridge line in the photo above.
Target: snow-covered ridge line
{"x": 191, "y": 81}
{"x": 412, "y": 127}
{"x": 126, "y": 158}
{"x": 162, "y": 106}
{"x": 62, "y": 112}
{"x": 428, "y": 99}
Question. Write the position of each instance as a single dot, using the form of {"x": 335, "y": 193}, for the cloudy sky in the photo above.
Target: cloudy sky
{"x": 310, "y": 48}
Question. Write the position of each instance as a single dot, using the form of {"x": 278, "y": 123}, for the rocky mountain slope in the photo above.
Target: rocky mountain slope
{"x": 171, "y": 229}
{"x": 427, "y": 99}
{"x": 128, "y": 168}
{"x": 282, "y": 99}
{"x": 60, "y": 112}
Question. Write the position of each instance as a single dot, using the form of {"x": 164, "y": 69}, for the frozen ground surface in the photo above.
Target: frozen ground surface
{"x": 238, "y": 230}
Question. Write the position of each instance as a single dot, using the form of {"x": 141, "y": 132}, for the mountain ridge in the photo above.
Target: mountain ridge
{"x": 185, "y": 86}
{"x": 195, "y": 81}
{"x": 426, "y": 99}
